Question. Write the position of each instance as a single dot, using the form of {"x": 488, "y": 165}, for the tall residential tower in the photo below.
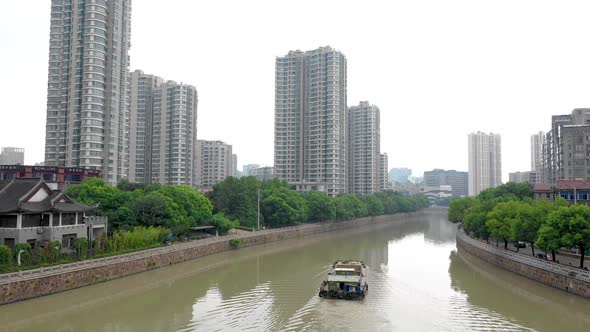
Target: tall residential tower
{"x": 87, "y": 121}
{"x": 537, "y": 141}
{"x": 310, "y": 119}
{"x": 364, "y": 151}
{"x": 163, "y": 135}
{"x": 485, "y": 162}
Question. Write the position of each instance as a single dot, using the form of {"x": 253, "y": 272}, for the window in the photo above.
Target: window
{"x": 68, "y": 219}
{"x": 8, "y": 221}
{"x": 9, "y": 242}
{"x": 31, "y": 220}
{"x": 68, "y": 240}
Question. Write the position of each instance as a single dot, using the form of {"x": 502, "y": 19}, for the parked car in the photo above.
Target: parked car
{"x": 520, "y": 244}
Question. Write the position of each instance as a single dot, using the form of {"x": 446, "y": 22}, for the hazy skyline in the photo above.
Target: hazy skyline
{"x": 437, "y": 70}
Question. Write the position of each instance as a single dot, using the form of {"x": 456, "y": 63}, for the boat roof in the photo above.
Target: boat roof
{"x": 344, "y": 269}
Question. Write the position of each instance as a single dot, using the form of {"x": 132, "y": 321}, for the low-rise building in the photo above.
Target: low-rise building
{"x": 521, "y": 177}
{"x": 31, "y": 212}
{"x": 575, "y": 192}
{"x": 55, "y": 177}
{"x": 437, "y": 192}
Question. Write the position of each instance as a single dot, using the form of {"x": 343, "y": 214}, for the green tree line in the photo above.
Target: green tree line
{"x": 508, "y": 213}
{"x": 237, "y": 198}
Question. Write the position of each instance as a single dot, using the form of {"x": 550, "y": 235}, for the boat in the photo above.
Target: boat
{"x": 347, "y": 279}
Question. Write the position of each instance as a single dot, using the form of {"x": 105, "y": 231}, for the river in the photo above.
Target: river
{"x": 418, "y": 282}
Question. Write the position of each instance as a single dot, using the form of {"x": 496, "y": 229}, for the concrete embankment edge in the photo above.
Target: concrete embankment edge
{"x": 565, "y": 283}
{"x": 43, "y": 283}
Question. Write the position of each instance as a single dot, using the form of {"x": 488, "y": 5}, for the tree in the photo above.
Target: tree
{"x": 192, "y": 208}
{"x": 531, "y": 216}
{"x": 549, "y": 238}
{"x": 573, "y": 224}
{"x": 320, "y": 206}
{"x": 474, "y": 221}
{"x": 237, "y": 199}
{"x": 282, "y": 206}
{"x": 500, "y": 220}
{"x": 152, "y": 210}
{"x": 458, "y": 207}
{"x": 223, "y": 224}
{"x": 349, "y": 207}
{"x": 374, "y": 205}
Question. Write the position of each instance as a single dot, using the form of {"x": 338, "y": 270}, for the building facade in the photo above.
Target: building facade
{"x": 383, "y": 175}
{"x": 485, "y": 162}
{"x": 263, "y": 173}
{"x": 12, "y": 156}
{"x": 528, "y": 177}
{"x": 87, "y": 121}
{"x": 57, "y": 178}
{"x": 163, "y": 132}
{"x": 537, "y": 142}
{"x": 248, "y": 170}
{"x": 566, "y": 148}
{"x": 143, "y": 88}
{"x": 400, "y": 175}
{"x": 214, "y": 163}
{"x": 440, "y": 177}
{"x": 310, "y": 118}
{"x": 364, "y": 150}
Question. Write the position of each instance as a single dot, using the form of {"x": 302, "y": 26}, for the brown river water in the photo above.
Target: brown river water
{"x": 418, "y": 282}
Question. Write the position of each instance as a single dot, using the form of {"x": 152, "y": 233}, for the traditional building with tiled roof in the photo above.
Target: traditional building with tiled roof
{"x": 32, "y": 212}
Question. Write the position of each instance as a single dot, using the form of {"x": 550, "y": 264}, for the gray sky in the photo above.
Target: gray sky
{"x": 437, "y": 69}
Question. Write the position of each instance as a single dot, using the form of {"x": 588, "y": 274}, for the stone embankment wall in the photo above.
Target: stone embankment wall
{"x": 44, "y": 281}
{"x": 569, "y": 279}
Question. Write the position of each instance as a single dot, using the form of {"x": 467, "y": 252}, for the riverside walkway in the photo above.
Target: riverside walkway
{"x": 525, "y": 257}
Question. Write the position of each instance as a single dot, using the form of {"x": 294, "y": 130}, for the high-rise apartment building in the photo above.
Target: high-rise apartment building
{"x": 235, "y": 171}
{"x": 310, "y": 119}
{"x": 214, "y": 163}
{"x": 12, "y": 156}
{"x": 383, "y": 175}
{"x": 174, "y": 134}
{"x": 537, "y": 141}
{"x": 143, "y": 87}
{"x": 485, "y": 162}
{"x": 565, "y": 152}
{"x": 364, "y": 151}
{"x": 163, "y": 131}
{"x": 87, "y": 120}
{"x": 440, "y": 177}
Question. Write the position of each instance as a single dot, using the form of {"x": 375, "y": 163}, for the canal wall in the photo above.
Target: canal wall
{"x": 567, "y": 278}
{"x": 29, "y": 284}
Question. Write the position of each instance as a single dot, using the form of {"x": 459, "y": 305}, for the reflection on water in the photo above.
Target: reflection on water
{"x": 417, "y": 282}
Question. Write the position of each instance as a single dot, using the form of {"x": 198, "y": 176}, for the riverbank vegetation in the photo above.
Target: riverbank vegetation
{"x": 237, "y": 198}
{"x": 121, "y": 242}
{"x": 147, "y": 216}
{"x": 508, "y": 213}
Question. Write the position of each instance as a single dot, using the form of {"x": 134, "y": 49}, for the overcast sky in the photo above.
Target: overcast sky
{"x": 437, "y": 69}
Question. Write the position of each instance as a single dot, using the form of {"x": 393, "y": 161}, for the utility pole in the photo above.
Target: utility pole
{"x": 258, "y": 208}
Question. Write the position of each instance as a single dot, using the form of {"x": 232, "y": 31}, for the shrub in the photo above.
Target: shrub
{"x": 235, "y": 243}
{"x": 53, "y": 251}
{"x": 5, "y": 258}
{"x": 81, "y": 246}
{"x": 26, "y": 256}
